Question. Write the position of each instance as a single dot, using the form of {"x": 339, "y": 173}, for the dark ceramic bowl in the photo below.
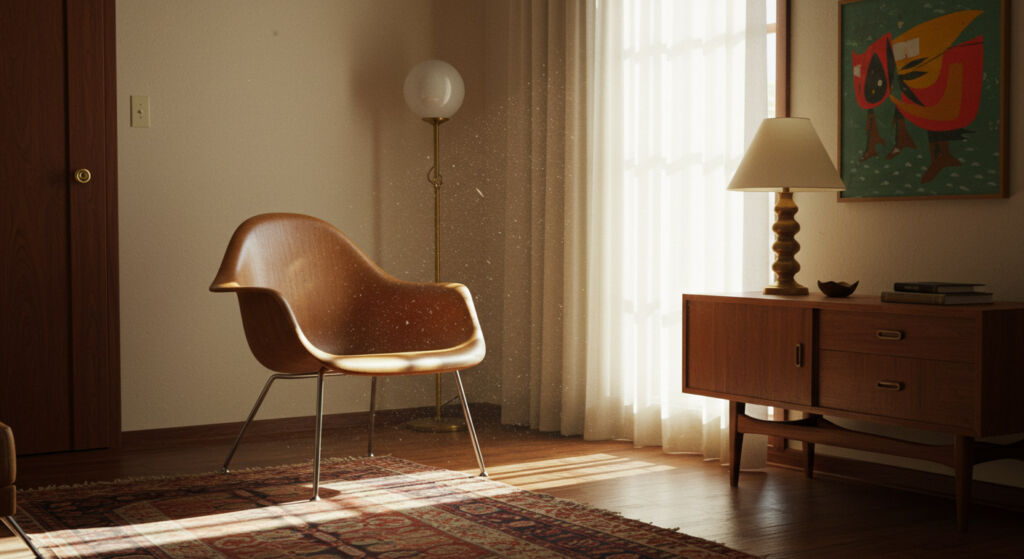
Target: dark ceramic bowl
{"x": 837, "y": 288}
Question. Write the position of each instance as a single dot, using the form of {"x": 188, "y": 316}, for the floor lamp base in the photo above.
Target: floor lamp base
{"x": 433, "y": 425}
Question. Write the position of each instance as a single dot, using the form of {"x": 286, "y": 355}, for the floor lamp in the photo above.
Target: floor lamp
{"x": 434, "y": 91}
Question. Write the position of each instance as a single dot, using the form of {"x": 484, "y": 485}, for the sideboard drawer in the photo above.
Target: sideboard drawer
{"x": 938, "y": 392}
{"x": 924, "y": 337}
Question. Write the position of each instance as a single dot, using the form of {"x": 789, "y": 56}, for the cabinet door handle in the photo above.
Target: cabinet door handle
{"x": 894, "y": 335}
{"x": 893, "y": 385}
{"x": 799, "y": 355}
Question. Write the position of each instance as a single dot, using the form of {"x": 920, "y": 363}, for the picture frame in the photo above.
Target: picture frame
{"x": 923, "y": 99}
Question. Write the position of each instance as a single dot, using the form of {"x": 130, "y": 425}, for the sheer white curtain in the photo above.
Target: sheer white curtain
{"x": 677, "y": 89}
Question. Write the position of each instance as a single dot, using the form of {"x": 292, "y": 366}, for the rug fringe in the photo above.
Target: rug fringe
{"x": 164, "y": 477}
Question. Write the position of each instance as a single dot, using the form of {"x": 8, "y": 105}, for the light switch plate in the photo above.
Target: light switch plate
{"x": 140, "y": 111}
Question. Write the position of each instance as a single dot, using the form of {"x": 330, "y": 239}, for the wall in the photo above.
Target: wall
{"x": 472, "y": 36}
{"x": 882, "y": 242}
{"x": 261, "y": 106}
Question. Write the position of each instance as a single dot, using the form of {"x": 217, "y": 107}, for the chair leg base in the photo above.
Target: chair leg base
{"x": 373, "y": 413}
{"x": 318, "y": 437}
{"x": 433, "y": 425}
{"x": 13, "y": 525}
{"x": 252, "y": 413}
{"x": 317, "y": 441}
{"x": 469, "y": 425}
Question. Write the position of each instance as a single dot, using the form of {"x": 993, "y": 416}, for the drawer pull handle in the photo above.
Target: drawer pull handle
{"x": 894, "y": 335}
{"x": 799, "y": 355}
{"x": 890, "y": 385}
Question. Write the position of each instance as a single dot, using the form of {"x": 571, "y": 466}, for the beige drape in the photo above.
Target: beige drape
{"x": 677, "y": 88}
{"x": 545, "y": 273}
{"x": 616, "y": 165}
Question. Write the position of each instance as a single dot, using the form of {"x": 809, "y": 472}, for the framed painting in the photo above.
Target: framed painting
{"x": 923, "y": 107}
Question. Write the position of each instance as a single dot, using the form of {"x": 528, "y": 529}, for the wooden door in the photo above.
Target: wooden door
{"x": 59, "y": 370}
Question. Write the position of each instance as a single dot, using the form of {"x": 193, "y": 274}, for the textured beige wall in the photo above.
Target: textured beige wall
{"x": 472, "y": 35}
{"x": 261, "y": 106}
{"x": 882, "y": 242}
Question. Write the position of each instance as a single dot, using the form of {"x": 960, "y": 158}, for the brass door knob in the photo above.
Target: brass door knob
{"x": 83, "y": 176}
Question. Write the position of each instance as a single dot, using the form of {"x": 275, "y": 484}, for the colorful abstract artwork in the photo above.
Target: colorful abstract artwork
{"x": 922, "y": 98}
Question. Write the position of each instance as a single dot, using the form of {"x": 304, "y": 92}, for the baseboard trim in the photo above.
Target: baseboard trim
{"x": 482, "y": 413}
{"x": 982, "y": 492}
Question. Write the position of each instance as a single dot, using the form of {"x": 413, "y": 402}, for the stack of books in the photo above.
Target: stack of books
{"x": 936, "y": 293}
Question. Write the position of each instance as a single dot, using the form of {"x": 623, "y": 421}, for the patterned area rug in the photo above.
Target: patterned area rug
{"x": 370, "y": 507}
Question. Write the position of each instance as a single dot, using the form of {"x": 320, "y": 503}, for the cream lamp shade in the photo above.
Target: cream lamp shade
{"x": 434, "y": 89}
{"x": 786, "y": 153}
{"x": 786, "y": 156}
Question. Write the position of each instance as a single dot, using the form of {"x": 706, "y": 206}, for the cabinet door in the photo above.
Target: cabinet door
{"x": 760, "y": 352}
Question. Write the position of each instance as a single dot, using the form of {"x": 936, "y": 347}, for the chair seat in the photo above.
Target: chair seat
{"x": 447, "y": 360}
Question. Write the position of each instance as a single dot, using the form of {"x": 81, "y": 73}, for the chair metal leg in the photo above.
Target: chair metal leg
{"x": 9, "y": 520}
{"x": 252, "y": 414}
{"x": 319, "y": 435}
{"x": 469, "y": 425}
{"x": 373, "y": 409}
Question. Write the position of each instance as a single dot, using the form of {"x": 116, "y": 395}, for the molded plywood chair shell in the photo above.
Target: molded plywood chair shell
{"x": 310, "y": 299}
{"x": 313, "y": 304}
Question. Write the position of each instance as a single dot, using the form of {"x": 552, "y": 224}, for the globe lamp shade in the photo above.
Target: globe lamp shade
{"x": 434, "y": 89}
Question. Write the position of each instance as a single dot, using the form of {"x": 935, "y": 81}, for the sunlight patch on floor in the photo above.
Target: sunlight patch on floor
{"x": 341, "y": 501}
{"x": 12, "y": 548}
{"x": 547, "y": 474}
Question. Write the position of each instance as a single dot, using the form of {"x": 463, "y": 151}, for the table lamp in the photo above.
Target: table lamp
{"x": 786, "y": 156}
{"x": 434, "y": 90}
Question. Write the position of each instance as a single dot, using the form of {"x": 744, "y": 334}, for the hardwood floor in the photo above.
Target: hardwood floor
{"x": 776, "y": 514}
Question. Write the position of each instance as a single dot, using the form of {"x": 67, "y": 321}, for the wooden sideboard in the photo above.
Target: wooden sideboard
{"x": 951, "y": 369}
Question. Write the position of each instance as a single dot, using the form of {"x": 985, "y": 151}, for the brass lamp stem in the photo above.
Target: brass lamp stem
{"x": 434, "y": 178}
{"x": 437, "y": 181}
{"x": 785, "y": 247}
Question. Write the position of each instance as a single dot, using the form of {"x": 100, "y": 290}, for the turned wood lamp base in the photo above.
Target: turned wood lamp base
{"x": 795, "y": 289}
{"x": 785, "y": 247}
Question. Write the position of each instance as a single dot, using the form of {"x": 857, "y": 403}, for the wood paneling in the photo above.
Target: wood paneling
{"x": 34, "y": 243}
{"x": 90, "y": 131}
{"x": 749, "y": 350}
{"x": 59, "y": 377}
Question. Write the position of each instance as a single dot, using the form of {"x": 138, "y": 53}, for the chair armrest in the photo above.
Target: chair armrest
{"x": 8, "y": 472}
{"x": 272, "y": 331}
{"x": 8, "y": 468}
{"x": 423, "y": 316}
